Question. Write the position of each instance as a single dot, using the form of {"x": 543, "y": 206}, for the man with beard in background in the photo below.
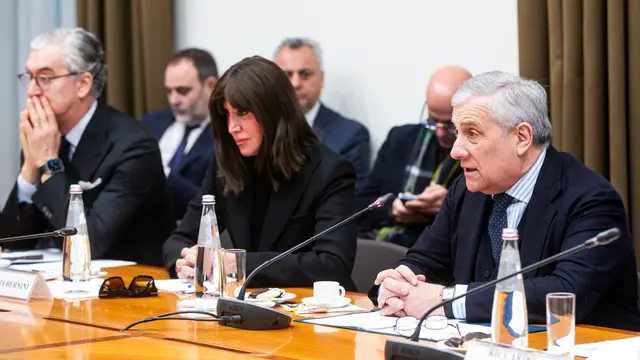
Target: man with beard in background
{"x": 184, "y": 130}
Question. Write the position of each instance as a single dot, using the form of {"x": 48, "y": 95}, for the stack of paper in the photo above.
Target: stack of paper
{"x": 374, "y": 322}
{"x": 613, "y": 349}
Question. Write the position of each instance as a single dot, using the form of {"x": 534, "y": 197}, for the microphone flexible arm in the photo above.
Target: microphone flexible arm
{"x": 66, "y": 231}
{"x": 374, "y": 205}
{"x": 602, "y": 238}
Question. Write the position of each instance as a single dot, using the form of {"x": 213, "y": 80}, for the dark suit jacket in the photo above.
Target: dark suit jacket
{"x": 321, "y": 196}
{"x": 129, "y": 214}
{"x": 184, "y": 184}
{"x": 570, "y": 204}
{"x": 346, "y": 137}
{"x": 389, "y": 175}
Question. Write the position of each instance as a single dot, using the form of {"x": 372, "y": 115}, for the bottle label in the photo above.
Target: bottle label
{"x": 208, "y": 235}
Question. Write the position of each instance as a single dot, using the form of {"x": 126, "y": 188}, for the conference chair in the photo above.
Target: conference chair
{"x": 371, "y": 258}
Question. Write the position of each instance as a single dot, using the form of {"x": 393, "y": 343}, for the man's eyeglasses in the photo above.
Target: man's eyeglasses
{"x": 140, "y": 286}
{"x": 43, "y": 81}
{"x": 406, "y": 325}
{"x": 433, "y": 125}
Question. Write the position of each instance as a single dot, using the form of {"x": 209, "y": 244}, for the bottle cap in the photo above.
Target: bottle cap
{"x": 509, "y": 233}
{"x": 208, "y": 199}
{"x": 75, "y": 189}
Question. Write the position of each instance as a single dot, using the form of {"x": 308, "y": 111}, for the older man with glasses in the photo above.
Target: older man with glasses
{"x": 69, "y": 137}
{"x": 414, "y": 160}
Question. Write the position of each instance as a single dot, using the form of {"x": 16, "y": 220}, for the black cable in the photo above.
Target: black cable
{"x": 167, "y": 316}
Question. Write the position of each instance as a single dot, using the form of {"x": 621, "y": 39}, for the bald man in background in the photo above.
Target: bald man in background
{"x": 415, "y": 160}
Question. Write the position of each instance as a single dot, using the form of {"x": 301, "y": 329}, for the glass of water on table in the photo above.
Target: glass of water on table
{"x": 561, "y": 324}
{"x": 236, "y": 268}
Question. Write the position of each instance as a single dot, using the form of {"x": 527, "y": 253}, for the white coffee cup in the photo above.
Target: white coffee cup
{"x": 327, "y": 291}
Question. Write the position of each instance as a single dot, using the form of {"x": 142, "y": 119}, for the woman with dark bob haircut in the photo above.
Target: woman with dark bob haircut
{"x": 275, "y": 184}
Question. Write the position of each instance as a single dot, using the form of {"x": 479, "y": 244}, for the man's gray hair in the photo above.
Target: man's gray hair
{"x": 512, "y": 100}
{"x": 297, "y": 43}
{"x": 83, "y": 53}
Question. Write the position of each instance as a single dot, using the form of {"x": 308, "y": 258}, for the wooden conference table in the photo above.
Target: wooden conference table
{"x": 91, "y": 329}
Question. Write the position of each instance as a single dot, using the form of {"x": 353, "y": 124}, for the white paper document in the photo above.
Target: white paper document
{"x": 613, "y": 349}
{"x": 22, "y": 257}
{"x": 181, "y": 285}
{"x": 374, "y": 322}
{"x": 92, "y": 290}
{"x": 96, "y": 265}
{"x": 348, "y": 308}
{"x": 175, "y": 286}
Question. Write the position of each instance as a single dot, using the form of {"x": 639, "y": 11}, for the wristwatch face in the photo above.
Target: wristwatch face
{"x": 54, "y": 165}
{"x": 447, "y": 293}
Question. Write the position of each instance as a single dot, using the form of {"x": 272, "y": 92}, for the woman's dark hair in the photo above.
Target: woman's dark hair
{"x": 259, "y": 86}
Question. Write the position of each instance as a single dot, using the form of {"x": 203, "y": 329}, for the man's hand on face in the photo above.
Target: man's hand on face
{"x": 29, "y": 169}
{"x": 40, "y": 136}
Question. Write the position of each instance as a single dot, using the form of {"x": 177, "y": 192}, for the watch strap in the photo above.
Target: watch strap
{"x": 448, "y": 308}
{"x": 52, "y": 166}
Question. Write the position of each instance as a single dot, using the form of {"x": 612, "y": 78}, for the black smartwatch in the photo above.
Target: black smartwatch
{"x": 52, "y": 166}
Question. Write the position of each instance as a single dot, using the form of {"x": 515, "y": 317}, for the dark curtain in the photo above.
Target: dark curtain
{"x": 138, "y": 40}
{"x": 588, "y": 53}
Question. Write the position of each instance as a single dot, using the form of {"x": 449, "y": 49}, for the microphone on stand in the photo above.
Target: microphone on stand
{"x": 66, "y": 231}
{"x": 396, "y": 349}
{"x": 256, "y": 317}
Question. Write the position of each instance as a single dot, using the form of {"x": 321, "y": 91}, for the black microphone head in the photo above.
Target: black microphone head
{"x": 382, "y": 200}
{"x": 68, "y": 231}
{"x": 607, "y": 236}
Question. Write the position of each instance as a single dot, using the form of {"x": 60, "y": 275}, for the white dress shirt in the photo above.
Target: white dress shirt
{"x": 26, "y": 189}
{"x": 171, "y": 139}
{"x": 313, "y": 113}
{"x": 521, "y": 193}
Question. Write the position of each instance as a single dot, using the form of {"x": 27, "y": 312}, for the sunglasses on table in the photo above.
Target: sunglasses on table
{"x": 140, "y": 286}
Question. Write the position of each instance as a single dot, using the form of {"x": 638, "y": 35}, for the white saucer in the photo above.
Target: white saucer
{"x": 5, "y": 263}
{"x": 341, "y": 302}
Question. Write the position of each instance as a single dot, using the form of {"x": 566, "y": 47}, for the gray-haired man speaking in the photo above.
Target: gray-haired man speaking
{"x": 513, "y": 176}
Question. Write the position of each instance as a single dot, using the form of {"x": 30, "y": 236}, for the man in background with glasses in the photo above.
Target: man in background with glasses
{"x": 414, "y": 160}
{"x": 69, "y": 137}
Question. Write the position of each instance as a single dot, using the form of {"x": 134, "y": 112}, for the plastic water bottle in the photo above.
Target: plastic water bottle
{"x": 76, "y": 251}
{"x": 509, "y": 321}
{"x": 210, "y": 276}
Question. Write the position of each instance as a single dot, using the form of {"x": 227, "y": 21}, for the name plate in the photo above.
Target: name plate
{"x": 23, "y": 285}
{"x": 483, "y": 350}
